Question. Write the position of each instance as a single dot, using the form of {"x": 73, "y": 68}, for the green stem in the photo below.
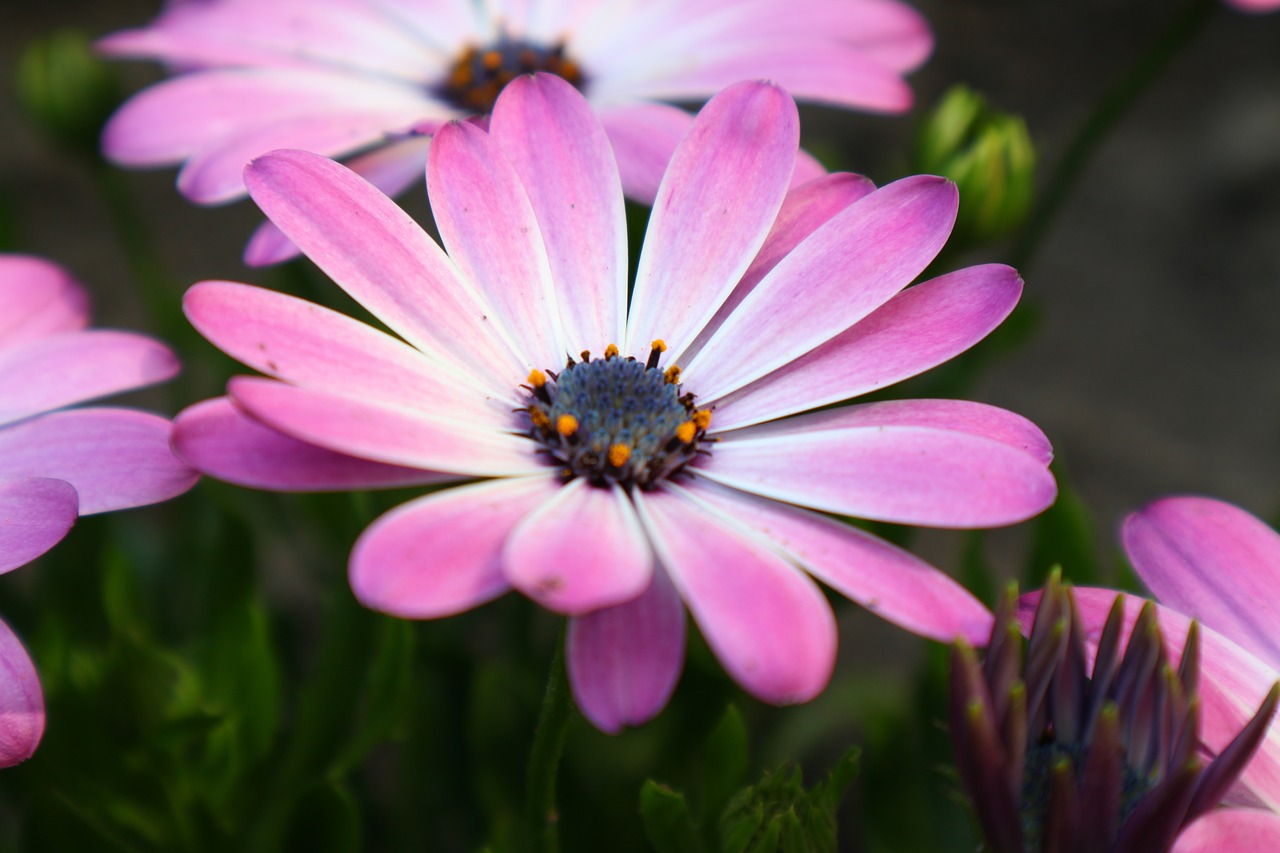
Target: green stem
{"x": 544, "y": 758}
{"x": 1113, "y": 106}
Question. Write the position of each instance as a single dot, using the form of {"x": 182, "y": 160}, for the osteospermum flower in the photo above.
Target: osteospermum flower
{"x": 369, "y": 80}
{"x": 1058, "y": 756}
{"x": 635, "y": 457}
{"x": 57, "y": 463}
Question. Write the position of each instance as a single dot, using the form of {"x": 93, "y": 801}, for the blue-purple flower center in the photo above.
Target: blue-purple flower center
{"x": 616, "y": 420}
{"x": 479, "y": 74}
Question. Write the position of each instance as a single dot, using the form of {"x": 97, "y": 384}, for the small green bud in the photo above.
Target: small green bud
{"x": 65, "y": 90}
{"x": 990, "y": 157}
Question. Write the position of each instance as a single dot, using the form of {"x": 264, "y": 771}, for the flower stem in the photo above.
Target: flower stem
{"x": 1115, "y": 103}
{"x": 544, "y": 758}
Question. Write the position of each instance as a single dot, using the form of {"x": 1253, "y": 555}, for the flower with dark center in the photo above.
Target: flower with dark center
{"x": 1060, "y": 758}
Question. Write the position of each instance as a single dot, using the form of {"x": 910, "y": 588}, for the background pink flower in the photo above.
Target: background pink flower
{"x": 366, "y": 80}
{"x": 621, "y": 485}
{"x": 57, "y": 463}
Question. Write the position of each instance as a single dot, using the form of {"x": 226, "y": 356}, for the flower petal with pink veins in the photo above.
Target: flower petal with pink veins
{"x": 378, "y": 254}
{"x": 839, "y": 274}
{"x": 442, "y": 554}
{"x": 905, "y": 474}
{"x": 1231, "y": 831}
{"x": 21, "y": 701}
{"x": 1233, "y": 682}
{"x": 768, "y": 624}
{"x": 624, "y": 661}
{"x": 583, "y": 550}
{"x": 115, "y": 458}
{"x": 35, "y": 513}
{"x": 218, "y": 439}
{"x": 1214, "y": 562}
{"x": 717, "y": 202}
{"x": 308, "y": 345}
{"x": 565, "y": 163}
{"x": 38, "y": 298}
{"x": 890, "y": 582}
{"x": 72, "y": 367}
{"x": 490, "y": 231}
{"x": 381, "y": 432}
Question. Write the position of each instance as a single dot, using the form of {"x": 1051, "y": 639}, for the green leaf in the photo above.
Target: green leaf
{"x": 777, "y": 813}
{"x": 724, "y": 760}
{"x": 326, "y": 820}
{"x": 1064, "y": 535}
{"x": 667, "y": 821}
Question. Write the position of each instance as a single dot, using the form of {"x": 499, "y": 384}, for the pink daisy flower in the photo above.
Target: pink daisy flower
{"x": 369, "y": 80}
{"x": 635, "y": 457}
{"x": 57, "y": 463}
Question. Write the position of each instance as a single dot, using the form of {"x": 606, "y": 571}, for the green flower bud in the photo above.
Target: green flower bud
{"x": 65, "y": 90}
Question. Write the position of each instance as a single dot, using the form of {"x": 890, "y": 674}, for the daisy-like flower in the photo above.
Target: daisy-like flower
{"x": 1057, "y": 755}
{"x": 634, "y": 457}
{"x": 57, "y": 463}
{"x": 370, "y": 80}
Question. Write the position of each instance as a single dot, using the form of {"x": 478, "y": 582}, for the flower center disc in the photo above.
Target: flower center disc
{"x": 616, "y": 420}
{"x": 479, "y": 74}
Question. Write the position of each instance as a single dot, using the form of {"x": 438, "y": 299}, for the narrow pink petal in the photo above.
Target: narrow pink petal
{"x": 644, "y": 136}
{"x": 268, "y": 245}
{"x": 624, "y": 661}
{"x": 1231, "y": 831}
{"x": 115, "y": 458}
{"x": 383, "y": 432}
{"x": 842, "y": 272}
{"x": 218, "y": 439}
{"x": 72, "y": 367}
{"x": 581, "y": 551}
{"x": 563, "y": 158}
{"x": 714, "y": 210}
{"x": 21, "y": 701}
{"x": 768, "y": 624}
{"x": 905, "y": 472}
{"x": 491, "y": 232}
{"x": 1212, "y": 561}
{"x": 442, "y": 554}
{"x": 306, "y": 344}
{"x": 914, "y": 331}
{"x": 891, "y": 583}
{"x": 380, "y": 256}
{"x": 35, "y": 513}
{"x": 1233, "y": 682}
{"x": 38, "y": 298}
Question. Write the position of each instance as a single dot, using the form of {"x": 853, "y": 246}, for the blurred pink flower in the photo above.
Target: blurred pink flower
{"x": 614, "y": 493}
{"x": 1255, "y": 6}
{"x": 57, "y": 463}
{"x": 370, "y": 80}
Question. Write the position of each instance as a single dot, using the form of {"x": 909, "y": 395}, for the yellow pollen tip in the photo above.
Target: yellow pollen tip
{"x": 672, "y": 375}
{"x": 660, "y": 345}
{"x": 539, "y": 418}
{"x": 537, "y": 378}
{"x": 611, "y": 351}
{"x": 492, "y": 60}
{"x": 686, "y": 431}
{"x": 702, "y": 419}
{"x": 566, "y": 425}
{"x": 618, "y": 455}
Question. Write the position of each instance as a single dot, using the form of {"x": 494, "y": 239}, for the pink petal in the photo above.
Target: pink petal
{"x": 563, "y": 158}
{"x": 624, "y": 661}
{"x": 841, "y": 273}
{"x": 72, "y": 367}
{"x": 907, "y": 472}
{"x": 381, "y": 432}
{"x": 581, "y": 551}
{"x": 1231, "y": 831}
{"x": 305, "y": 344}
{"x": 442, "y": 554}
{"x": 21, "y": 701}
{"x": 768, "y": 624}
{"x": 914, "y": 331}
{"x": 38, "y": 298}
{"x": 490, "y": 231}
{"x": 218, "y": 439}
{"x": 35, "y": 513}
{"x": 888, "y": 581}
{"x": 714, "y": 209}
{"x": 379, "y": 255}
{"x": 1214, "y": 562}
{"x": 268, "y": 246}
{"x": 644, "y": 136}
{"x": 115, "y": 458}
